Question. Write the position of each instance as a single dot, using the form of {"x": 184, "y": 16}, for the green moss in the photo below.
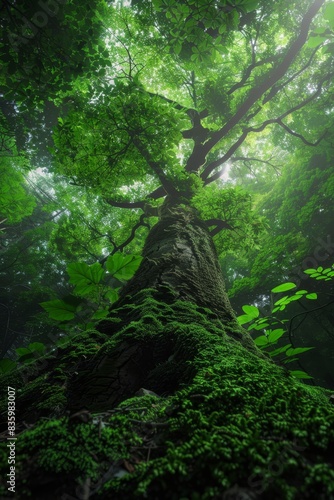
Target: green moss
{"x": 228, "y": 421}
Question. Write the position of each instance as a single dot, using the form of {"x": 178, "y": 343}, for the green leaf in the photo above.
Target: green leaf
{"x": 251, "y": 311}
{"x": 37, "y": 347}
{"x": 289, "y": 360}
{"x": 101, "y": 313}
{"x": 310, "y": 271}
{"x": 276, "y": 334}
{"x": 59, "y": 310}
{"x": 261, "y": 341}
{"x": 279, "y": 350}
{"x": 121, "y": 266}
{"x": 329, "y": 12}
{"x": 300, "y": 374}
{"x": 280, "y": 301}
{"x": 297, "y": 350}
{"x": 250, "y": 5}
{"x": 311, "y": 296}
{"x": 82, "y": 274}
{"x": 83, "y": 290}
{"x": 295, "y": 297}
{"x": 284, "y": 287}
{"x": 244, "y": 318}
{"x": 112, "y": 295}
{"x": 258, "y": 326}
{"x": 22, "y": 351}
{"x": 7, "y": 365}
{"x": 314, "y": 41}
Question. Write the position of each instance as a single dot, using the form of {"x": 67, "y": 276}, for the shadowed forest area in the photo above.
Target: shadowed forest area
{"x": 167, "y": 249}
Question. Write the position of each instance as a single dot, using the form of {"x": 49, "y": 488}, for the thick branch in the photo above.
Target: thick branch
{"x": 155, "y": 195}
{"x": 256, "y": 93}
{"x": 220, "y": 224}
{"x": 125, "y": 204}
{"x": 248, "y": 130}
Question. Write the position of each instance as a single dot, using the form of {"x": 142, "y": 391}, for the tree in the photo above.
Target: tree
{"x": 223, "y": 421}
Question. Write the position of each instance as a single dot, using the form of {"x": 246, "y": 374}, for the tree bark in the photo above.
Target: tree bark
{"x": 180, "y": 265}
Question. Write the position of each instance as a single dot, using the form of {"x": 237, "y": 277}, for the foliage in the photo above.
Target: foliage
{"x": 270, "y": 337}
{"x": 15, "y": 200}
{"x": 91, "y": 294}
{"x": 42, "y": 47}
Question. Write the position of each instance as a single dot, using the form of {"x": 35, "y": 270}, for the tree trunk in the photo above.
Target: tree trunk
{"x": 185, "y": 406}
{"x": 180, "y": 275}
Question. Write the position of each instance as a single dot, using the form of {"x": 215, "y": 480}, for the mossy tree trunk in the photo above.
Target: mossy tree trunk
{"x": 224, "y": 423}
{"x": 180, "y": 268}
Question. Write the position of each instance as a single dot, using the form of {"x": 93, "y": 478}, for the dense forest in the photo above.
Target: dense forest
{"x": 167, "y": 249}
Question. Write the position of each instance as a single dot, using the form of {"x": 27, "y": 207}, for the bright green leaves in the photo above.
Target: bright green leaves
{"x": 92, "y": 295}
{"x": 329, "y": 14}
{"x": 252, "y": 312}
{"x": 234, "y": 206}
{"x": 320, "y": 273}
{"x": 85, "y": 277}
{"x": 284, "y": 287}
{"x": 195, "y": 30}
{"x": 271, "y": 337}
{"x": 323, "y": 34}
{"x": 300, "y": 374}
{"x": 122, "y": 266}
{"x": 59, "y": 309}
{"x": 113, "y": 164}
{"x": 297, "y": 350}
{"x": 281, "y": 304}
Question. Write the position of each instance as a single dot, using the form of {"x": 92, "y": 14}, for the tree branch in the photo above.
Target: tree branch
{"x": 205, "y": 174}
{"x": 220, "y": 224}
{"x": 256, "y": 93}
{"x": 301, "y": 137}
{"x": 277, "y": 88}
{"x": 248, "y": 159}
{"x": 120, "y": 247}
{"x": 125, "y": 204}
{"x": 248, "y": 72}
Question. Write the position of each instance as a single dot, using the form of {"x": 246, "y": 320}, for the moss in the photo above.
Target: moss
{"x": 227, "y": 423}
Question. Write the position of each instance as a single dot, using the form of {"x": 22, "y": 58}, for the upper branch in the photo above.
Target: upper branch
{"x": 256, "y": 93}
{"x": 248, "y": 130}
